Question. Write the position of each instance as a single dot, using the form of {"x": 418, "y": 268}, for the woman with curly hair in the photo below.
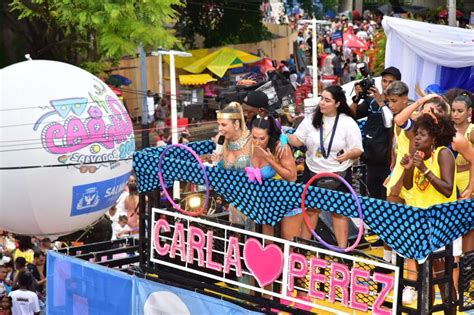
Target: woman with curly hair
{"x": 459, "y": 144}
{"x": 431, "y": 172}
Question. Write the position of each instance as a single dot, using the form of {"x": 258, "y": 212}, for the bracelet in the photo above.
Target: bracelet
{"x": 283, "y": 140}
{"x": 426, "y": 171}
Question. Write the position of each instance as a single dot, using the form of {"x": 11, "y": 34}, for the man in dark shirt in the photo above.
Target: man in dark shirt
{"x": 377, "y": 137}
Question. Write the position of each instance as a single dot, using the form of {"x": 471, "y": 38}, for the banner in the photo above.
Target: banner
{"x": 258, "y": 263}
{"x": 412, "y": 232}
{"x": 78, "y": 287}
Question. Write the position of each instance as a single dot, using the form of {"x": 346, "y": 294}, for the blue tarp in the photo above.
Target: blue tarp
{"x": 79, "y": 287}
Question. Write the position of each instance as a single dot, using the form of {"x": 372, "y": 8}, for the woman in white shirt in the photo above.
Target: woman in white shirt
{"x": 333, "y": 141}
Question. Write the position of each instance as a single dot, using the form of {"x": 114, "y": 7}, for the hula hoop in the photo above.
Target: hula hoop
{"x": 162, "y": 182}
{"x": 306, "y": 219}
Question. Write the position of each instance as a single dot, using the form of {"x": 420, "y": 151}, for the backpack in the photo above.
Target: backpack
{"x": 376, "y": 139}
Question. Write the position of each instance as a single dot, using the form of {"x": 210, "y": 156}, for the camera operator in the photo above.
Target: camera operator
{"x": 377, "y": 130}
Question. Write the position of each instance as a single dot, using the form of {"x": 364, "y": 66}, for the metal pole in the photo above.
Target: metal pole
{"x": 315, "y": 60}
{"x": 160, "y": 75}
{"x": 452, "y": 12}
{"x": 174, "y": 117}
{"x": 145, "y": 134}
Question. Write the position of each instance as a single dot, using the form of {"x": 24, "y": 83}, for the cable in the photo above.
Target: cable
{"x": 100, "y": 136}
{"x": 60, "y": 165}
{"x": 225, "y": 7}
{"x": 42, "y": 147}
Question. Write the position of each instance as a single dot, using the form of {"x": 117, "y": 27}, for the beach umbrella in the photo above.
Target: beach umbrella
{"x": 222, "y": 60}
{"x": 352, "y": 41}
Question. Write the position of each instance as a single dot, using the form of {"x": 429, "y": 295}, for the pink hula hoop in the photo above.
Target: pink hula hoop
{"x": 306, "y": 219}
{"x": 162, "y": 182}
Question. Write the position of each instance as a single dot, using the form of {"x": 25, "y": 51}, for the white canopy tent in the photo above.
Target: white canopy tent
{"x": 419, "y": 50}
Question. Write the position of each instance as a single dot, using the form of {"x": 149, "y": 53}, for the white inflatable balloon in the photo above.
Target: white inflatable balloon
{"x": 65, "y": 146}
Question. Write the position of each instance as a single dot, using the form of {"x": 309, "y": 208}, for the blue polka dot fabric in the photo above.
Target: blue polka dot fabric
{"x": 412, "y": 232}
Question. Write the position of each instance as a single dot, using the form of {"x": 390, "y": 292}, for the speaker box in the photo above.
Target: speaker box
{"x": 326, "y": 231}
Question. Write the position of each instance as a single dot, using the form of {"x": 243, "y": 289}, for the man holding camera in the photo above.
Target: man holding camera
{"x": 377, "y": 130}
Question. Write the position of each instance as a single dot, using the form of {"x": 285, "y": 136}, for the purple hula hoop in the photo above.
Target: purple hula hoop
{"x": 162, "y": 182}
{"x": 306, "y": 219}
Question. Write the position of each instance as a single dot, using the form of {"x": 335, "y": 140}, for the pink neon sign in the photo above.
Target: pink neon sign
{"x": 267, "y": 263}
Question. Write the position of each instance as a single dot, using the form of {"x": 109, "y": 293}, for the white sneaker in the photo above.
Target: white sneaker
{"x": 409, "y": 295}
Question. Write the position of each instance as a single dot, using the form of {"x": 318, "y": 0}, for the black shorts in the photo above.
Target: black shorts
{"x": 307, "y": 175}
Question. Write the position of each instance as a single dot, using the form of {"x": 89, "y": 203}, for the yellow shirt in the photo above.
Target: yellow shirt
{"x": 424, "y": 193}
{"x": 28, "y": 255}
{"x": 402, "y": 147}
{"x": 462, "y": 179}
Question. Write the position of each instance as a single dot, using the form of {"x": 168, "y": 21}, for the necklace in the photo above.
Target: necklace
{"x": 421, "y": 180}
{"x": 239, "y": 143}
{"x": 321, "y": 152}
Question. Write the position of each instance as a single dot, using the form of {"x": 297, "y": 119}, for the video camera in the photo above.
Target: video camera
{"x": 365, "y": 83}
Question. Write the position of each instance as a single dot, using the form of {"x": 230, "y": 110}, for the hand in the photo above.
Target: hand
{"x": 282, "y": 150}
{"x": 467, "y": 193}
{"x": 427, "y": 97}
{"x": 266, "y": 154}
{"x": 376, "y": 95}
{"x": 343, "y": 157}
{"x": 407, "y": 161}
{"x": 419, "y": 163}
{"x": 216, "y": 157}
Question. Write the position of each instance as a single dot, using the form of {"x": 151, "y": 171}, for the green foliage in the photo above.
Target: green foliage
{"x": 91, "y": 33}
{"x": 221, "y": 22}
{"x": 379, "y": 62}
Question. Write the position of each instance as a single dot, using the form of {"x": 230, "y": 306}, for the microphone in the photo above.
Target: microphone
{"x": 220, "y": 143}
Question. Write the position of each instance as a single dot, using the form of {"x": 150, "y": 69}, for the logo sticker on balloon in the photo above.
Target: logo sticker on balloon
{"x": 87, "y": 130}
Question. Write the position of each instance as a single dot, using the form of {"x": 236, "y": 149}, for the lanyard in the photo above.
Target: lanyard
{"x": 321, "y": 140}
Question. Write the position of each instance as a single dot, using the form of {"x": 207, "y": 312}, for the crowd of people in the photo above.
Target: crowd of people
{"x": 417, "y": 153}
{"x": 23, "y": 273}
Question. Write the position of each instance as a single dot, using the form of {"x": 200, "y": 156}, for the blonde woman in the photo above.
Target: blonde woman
{"x": 236, "y": 151}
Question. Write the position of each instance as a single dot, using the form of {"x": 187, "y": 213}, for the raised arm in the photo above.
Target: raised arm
{"x": 401, "y": 118}
{"x": 462, "y": 145}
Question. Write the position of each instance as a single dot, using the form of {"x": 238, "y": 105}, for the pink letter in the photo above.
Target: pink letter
{"x": 161, "y": 224}
{"x": 121, "y": 126}
{"x": 77, "y": 135}
{"x": 296, "y": 272}
{"x": 387, "y": 286}
{"x": 342, "y": 283}
{"x": 359, "y": 288}
{"x": 178, "y": 243}
{"x": 315, "y": 277}
{"x": 233, "y": 256}
{"x": 98, "y": 132}
{"x": 196, "y": 243}
{"x": 210, "y": 247}
{"x": 51, "y": 133}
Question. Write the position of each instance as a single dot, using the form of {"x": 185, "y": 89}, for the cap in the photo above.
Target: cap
{"x": 392, "y": 71}
{"x": 257, "y": 99}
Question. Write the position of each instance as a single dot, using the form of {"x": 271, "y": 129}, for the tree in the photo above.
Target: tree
{"x": 221, "y": 22}
{"x": 315, "y": 7}
{"x": 90, "y": 33}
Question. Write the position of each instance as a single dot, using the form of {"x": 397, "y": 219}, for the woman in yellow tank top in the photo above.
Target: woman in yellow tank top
{"x": 430, "y": 173}
{"x": 461, "y": 109}
{"x": 461, "y": 114}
